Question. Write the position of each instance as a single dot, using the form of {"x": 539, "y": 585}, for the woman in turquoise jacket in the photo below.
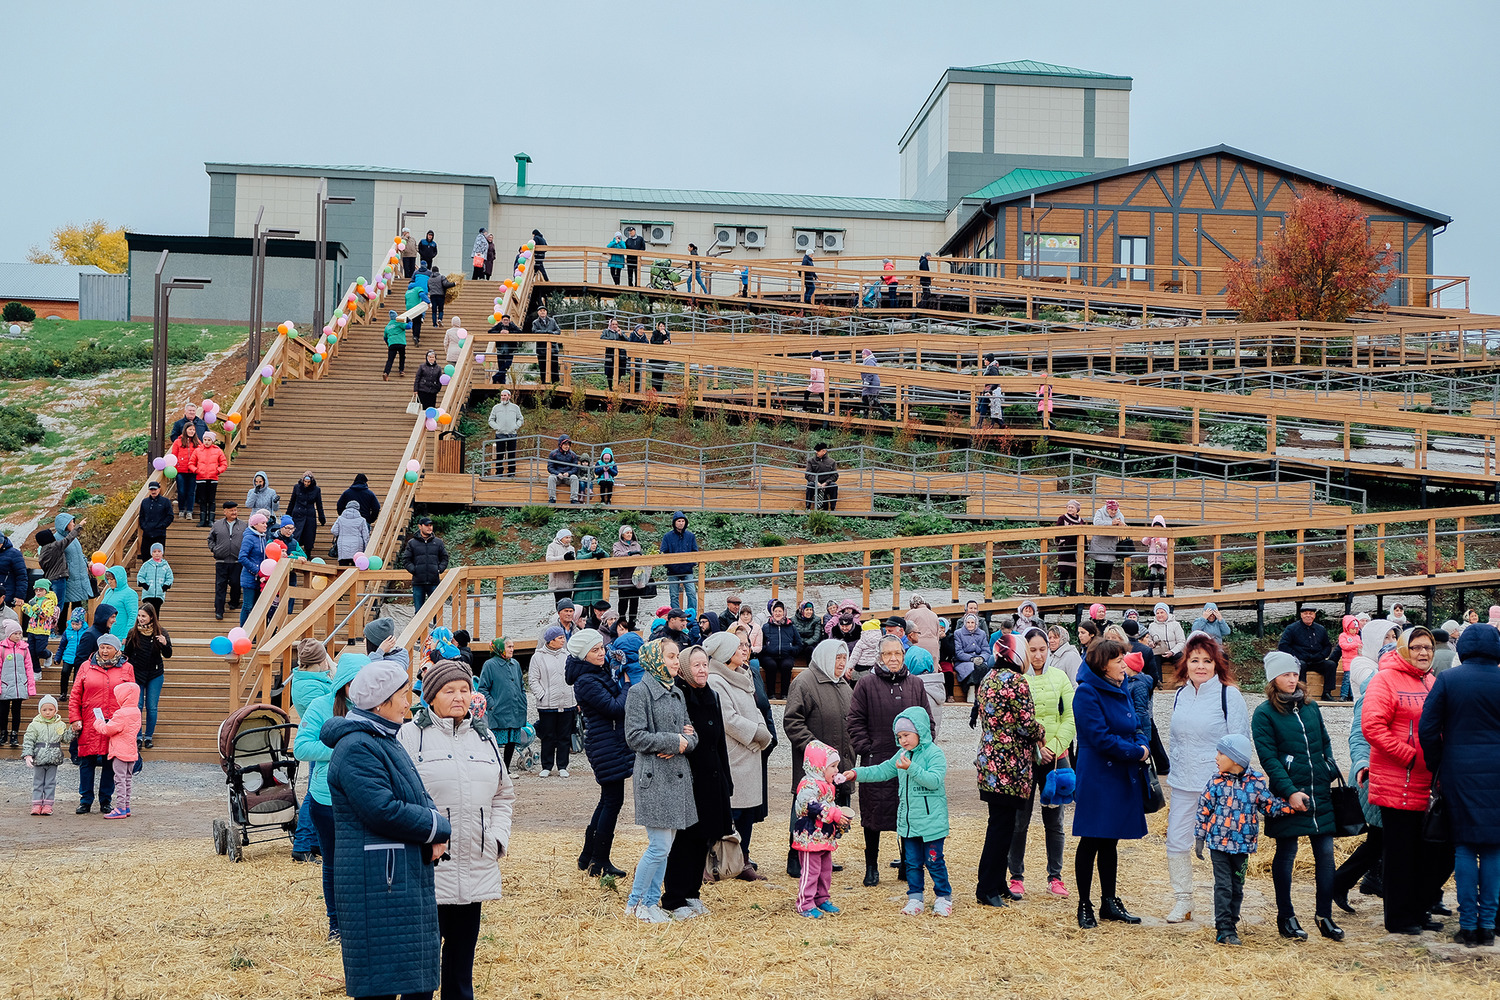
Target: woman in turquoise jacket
{"x": 124, "y": 600}
{"x": 309, "y": 747}
{"x": 616, "y": 260}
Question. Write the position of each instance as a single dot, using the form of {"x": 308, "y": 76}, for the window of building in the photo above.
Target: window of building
{"x": 1133, "y": 251}
{"x": 1045, "y": 251}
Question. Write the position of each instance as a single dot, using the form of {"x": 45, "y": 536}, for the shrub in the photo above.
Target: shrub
{"x": 821, "y": 523}
{"x": 1338, "y": 574}
{"x": 535, "y": 515}
{"x": 770, "y": 540}
{"x": 84, "y": 360}
{"x": 19, "y": 312}
{"x": 923, "y": 524}
{"x": 104, "y": 516}
{"x": 77, "y": 495}
{"x": 19, "y": 428}
{"x": 482, "y": 537}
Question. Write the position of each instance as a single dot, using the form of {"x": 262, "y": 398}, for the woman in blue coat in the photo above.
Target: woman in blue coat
{"x": 388, "y": 836}
{"x": 1110, "y": 802}
{"x": 600, "y": 690}
{"x": 1460, "y": 735}
{"x": 80, "y": 588}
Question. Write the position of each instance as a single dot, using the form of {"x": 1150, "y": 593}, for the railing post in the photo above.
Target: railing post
{"x": 1260, "y": 561}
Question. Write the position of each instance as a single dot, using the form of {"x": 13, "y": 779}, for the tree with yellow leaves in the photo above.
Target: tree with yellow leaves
{"x": 91, "y": 243}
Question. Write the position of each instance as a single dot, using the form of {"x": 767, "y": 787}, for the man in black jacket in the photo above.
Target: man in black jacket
{"x": 1308, "y": 642}
{"x": 633, "y": 241}
{"x": 154, "y": 519}
{"x": 360, "y": 493}
{"x": 548, "y": 355}
{"x": 538, "y": 254}
{"x": 189, "y": 416}
{"x": 659, "y": 368}
{"x": 730, "y": 614}
{"x": 224, "y": 540}
{"x": 822, "y": 479}
{"x": 809, "y": 277}
{"x": 427, "y": 249}
{"x": 426, "y": 559}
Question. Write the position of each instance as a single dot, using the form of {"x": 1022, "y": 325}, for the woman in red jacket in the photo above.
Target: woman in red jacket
{"x": 185, "y": 449}
{"x": 1415, "y": 870}
{"x": 210, "y": 464}
{"x": 94, "y": 687}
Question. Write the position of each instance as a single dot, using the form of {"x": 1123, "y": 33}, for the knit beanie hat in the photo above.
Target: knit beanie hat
{"x": 721, "y": 646}
{"x": 584, "y": 640}
{"x": 552, "y": 632}
{"x": 1236, "y": 747}
{"x": 311, "y": 654}
{"x": 258, "y": 520}
{"x": 376, "y": 682}
{"x": 902, "y": 725}
{"x": 444, "y": 672}
{"x": 379, "y": 630}
{"x": 1135, "y": 661}
{"x": 47, "y": 699}
{"x": 1278, "y": 663}
{"x": 107, "y": 639}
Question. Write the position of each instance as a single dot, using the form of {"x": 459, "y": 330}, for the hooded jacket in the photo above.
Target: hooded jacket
{"x": 564, "y": 463}
{"x": 1009, "y": 732}
{"x": 1227, "y": 811}
{"x": 1166, "y": 636}
{"x": 88, "y": 641}
{"x": 1460, "y": 736}
{"x": 1297, "y": 754}
{"x": 817, "y": 707}
{"x": 124, "y": 724}
{"x": 350, "y": 530}
{"x": 560, "y": 551}
{"x": 625, "y": 654}
{"x": 546, "y": 676}
{"x": 677, "y": 540}
{"x": 601, "y": 698}
{"x": 14, "y": 582}
{"x": 463, "y": 770}
{"x": 80, "y": 585}
{"x": 359, "y": 492}
{"x": 94, "y": 687}
{"x": 186, "y": 452}
{"x": 154, "y": 578}
{"x": 1219, "y": 628}
{"x": 970, "y": 644}
{"x": 1392, "y": 709}
{"x": 17, "y": 673}
{"x": 453, "y": 344}
{"x": 922, "y": 793}
{"x": 1066, "y": 659}
{"x": 879, "y": 697}
{"x": 262, "y": 497}
{"x": 745, "y": 729}
{"x": 1349, "y": 642}
{"x": 655, "y": 717}
{"x": 308, "y": 745}
{"x": 817, "y": 820}
{"x": 780, "y": 639}
{"x": 124, "y": 600}
{"x": 46, "y": 742}
{"x": 252, "y": 554}
{"x": 52, "y": 555}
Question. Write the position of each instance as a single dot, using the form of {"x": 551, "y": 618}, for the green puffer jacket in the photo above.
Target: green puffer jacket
{"x": 1297, "y": 756}
{"x": 923, "y": 808}
{"x": 1052, "y": 694}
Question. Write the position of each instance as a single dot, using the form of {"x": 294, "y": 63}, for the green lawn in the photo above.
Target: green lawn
{"x": 66, "y": 334}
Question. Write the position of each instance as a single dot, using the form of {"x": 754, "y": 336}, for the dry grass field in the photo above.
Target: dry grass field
{"x": 169, "y": 919}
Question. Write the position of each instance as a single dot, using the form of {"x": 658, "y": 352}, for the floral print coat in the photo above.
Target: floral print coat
{"x": 1009, "y": 731}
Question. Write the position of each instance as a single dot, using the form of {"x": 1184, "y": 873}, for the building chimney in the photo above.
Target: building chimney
{"x": 521, "y": 160}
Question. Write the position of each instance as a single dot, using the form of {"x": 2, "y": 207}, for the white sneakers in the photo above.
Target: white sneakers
{"x": 696, "y": 905}
{"x": 562, "y": 772}
{"x": 652, "y": 914}
{"x": 684, "y": 913}
{"x": 943, "y": 907}
{"x": 913, "y": 908}
{"x": 543, "y": 773}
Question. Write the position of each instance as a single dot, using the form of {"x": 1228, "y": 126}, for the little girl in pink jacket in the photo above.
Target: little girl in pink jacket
{"x": 122, "y": 728}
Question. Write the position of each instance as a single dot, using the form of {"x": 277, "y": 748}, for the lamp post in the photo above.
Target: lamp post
{"x": 258, "y": 287}
{"x": 320, "y": 253}
{"x": 160, "y": 302}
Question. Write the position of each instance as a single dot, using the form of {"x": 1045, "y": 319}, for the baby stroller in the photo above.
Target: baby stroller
{"x": 871, "y": 297}
{"x": 255, "y": 751}
{"x": 662, "y": 275}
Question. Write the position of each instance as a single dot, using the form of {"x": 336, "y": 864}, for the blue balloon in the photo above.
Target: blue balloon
{"x": 432, "y": 412}
{"x": 221, "y": 645}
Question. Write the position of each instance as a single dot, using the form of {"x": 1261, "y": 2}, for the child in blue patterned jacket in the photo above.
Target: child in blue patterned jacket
{"x": 1227, "y": 821}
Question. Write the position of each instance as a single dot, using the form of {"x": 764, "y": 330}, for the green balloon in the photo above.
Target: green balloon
{"x": 448, "y": 369}
{"x": 376, "y": 562}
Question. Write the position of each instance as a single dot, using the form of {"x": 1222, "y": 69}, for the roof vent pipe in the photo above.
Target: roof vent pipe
{"x": 521, "y": 160}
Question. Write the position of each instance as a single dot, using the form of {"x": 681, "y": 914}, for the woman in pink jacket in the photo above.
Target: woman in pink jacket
{"x": 1415, "y": 870}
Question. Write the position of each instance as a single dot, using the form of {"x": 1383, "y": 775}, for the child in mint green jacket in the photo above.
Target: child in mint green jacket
{"x": 919, "y": 768}
{"x": 154, "y": 577}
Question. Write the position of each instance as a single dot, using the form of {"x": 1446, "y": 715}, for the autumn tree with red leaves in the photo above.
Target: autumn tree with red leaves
{"x": 1319, "y": 266}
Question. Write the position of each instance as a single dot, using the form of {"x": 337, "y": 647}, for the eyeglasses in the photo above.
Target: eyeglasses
{"x": 1420, "y": 647}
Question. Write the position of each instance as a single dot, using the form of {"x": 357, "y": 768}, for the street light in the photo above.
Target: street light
{"x": 320, "y": 252}
{"x": 162, "y": 295}
{"x": 258, "y": 287}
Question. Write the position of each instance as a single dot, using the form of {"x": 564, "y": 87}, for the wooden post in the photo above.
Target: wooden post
{"x": 1122, "y": 413}
{"x": 775, "y": 578}
{"x": 1432, "y": 550}
{"x": 865, "y": 584}
{"x": 499, "y": 605}
{"x": 989, "y": 571}
{"x": 1171, "y": 567}
{"x": 1380, "y": 551}
{"x": 1459, "y": 553}
{"x": 1041, "y": 576}
{"x": 895, "y": 578}
{"x": 1125, "y": 575}
{"x": 1347, "y": 440}
{"x": 1271, "y": 434}
{"x": 1348, "y": 553}
{"x": 953, "y": 574}
{"x": 801, "y": 569}
{"x": 1218, "y": 581}
{"x": 1078, "y": 583}
{"x": 702, "y": 584}
{"x": 1260, "y": 560}
{"x": 1301, "y": 540}
{"x": 1196, "y": 412}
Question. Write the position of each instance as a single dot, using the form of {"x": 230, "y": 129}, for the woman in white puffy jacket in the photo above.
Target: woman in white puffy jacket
{"x": 461, "y": 767}
{"x": 1165, "y": 636}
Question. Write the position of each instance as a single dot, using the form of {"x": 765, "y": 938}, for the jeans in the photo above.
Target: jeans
{"x": 807, "y": 291}
{"x": 998, "y": 834}
{"x": 679, "y": 587}
{"x": 697, "y": 276}
{"x": 606, "y": 815}
{"x": 322, "y": 819}
{"x": 247, "y": 601}
{"x": 505, "y": 454}
{"x": 929, "y": 854}
{"x": 1229, "y": 888}
{"x": 646, "y": 889}
{"x": 1414, "y": 870}
{"x": 458, "y": 924}
{"x": 187, "y": 488}
{"x": 226, "y": 583}
{"x": 87, "y": 765}
{"x": 419, "y": 594}
{"x": 306, "y": 837}
{"x": 1052, "y": 823}
{"x": 553, "y": 479}
{"x": 1476, "y": 874}
{"x": 150, "y": 695}
{"x": 435, "y": 310}
{"x": 1281, "y": 873}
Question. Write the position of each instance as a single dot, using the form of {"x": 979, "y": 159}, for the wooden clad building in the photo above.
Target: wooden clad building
{"x": 1169, "y": 223}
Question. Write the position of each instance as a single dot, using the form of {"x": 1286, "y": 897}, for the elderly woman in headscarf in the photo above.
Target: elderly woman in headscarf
{"x": 971, "y": 653}
{"x": 1067, "y": 547}
{"x": 588, "y": 584}
{"x": 504, "y": 696}
{"x": 748, "y": 727}
{"x": 560, "y": 549}
{"x": 817, "y": 708}
{"x": 712, "y": 787}
{"x": 658, "y": 730}
{"x": 869, "y": 382}
{"x": 1103, "y": 549}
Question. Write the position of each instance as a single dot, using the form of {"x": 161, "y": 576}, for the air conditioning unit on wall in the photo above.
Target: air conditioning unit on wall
{"x": 754, "y": 237}
{"x": 726, "y": 236}
{"x": 804, "y": 240}
{"x": 659, "y": 233}
{"x": 832, "y": 242}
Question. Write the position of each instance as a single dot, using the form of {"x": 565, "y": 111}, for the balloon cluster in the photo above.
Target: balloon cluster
{"x": 437, "y": 416}
{"x": 362, "y": 561}
{"x": 232, "y": 421}
{"x": 267, "y": 374}
{"x": 236, "y": 642}
{"x": 286, "y": 329}
{"x": 97, "y": 562}
{"x": 413, "y": 471}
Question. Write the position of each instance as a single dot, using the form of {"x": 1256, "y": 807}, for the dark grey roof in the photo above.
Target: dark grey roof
{"x": 45, "y": 282}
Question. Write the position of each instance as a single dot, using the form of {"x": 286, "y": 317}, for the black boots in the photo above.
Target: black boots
{"x": 1290, "y": 928}
{"x": 1329, "y": 929}
{"x": 1113, "y": 908}
{"x": 872, "y": 874}
{"x": 587, "y": 857}
{"x": 793, "y": 864}
{"x": 1086, "y": 919}
{"x": 1373, "y": 884}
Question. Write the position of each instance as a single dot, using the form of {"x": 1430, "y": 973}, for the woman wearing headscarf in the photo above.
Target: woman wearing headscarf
{"x": 817, "y": 708}
{"x": 1061, "y": 654}
{"x": 658, "y": 730}
{"x": 428, "y": 381}
{"x": 1067, "y": 547}
{"x": 260, "y": 496}
{"x": 712, "y": 787}
{"x": 1415, "y": 870}
{"x": 971, "y": 653}
{"x": 504, "y": 696}
{"x": 560, "y": 549}
{"x": 1297, "y": 757}
{"x": 480, "y": 252}
{"x": 601, "y": 697}
{"x": 588, "y": 584}
{"x": 455, "y": 335}
{"x": 1459, "y": 732}
{"x": 869, "y": 382}
{"x": 1008, "y": 732}
{"x": 1377, "y": 638}
{"x": 1052, "y": 698}
{"x": 748, "y": 732}
{"x": 388, "y": 836}
{"x": 459, "y": 763}
{"x": 629, "y": 598}
{"x": 1103, "y": 549}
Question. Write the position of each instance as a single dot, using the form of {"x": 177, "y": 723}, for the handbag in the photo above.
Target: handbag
{"x": 1437, "y": 822}
{"x": 413, "y": 408}
{"x": 1348, "y": 815}
{"x": 479, "y": 259}
{"x": 640, "y": 577}
{"x": 726, "y": 859}
{"x": 1155, "y": 800}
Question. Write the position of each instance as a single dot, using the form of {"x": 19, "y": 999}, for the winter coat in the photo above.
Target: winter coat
{"x": 969, "y": 646}
{"x": 1066, "y": 659}
{"x": 601, "y": 697}
{"x": 71, "y": 639}
{"x": 308, "y": 744}
{"x": 1359, "y": 752}
{"x": 186, "y": 453}
{"x": 1350, "y": 643}
{"x": 351, "y": 531}
{"x": 308, "y": 686}
{"x": 1217, "y": 628}
{"x": 745, "y": 729}
{"x": 616, "y": 259}
{"x": 558, "y": 552}
{"x": 1200, "y": 718}
{"x": 817, "y": 820}
{"x": 147, "y": 656}
{"x": 224, "y": 540}
{"x": 506, "y": 418}
{"x": 14, "y": 581}
{"x": 625, "y": 655}
{"x": 211, "y": 463}
{"x": 1227, "y": 809}
{"x": 41, "y": 613}
{"x": 588, "y": 584}
{"x": 94, "y": 687}
{"x": 1103, "y": 548}
{"x": 52, "y": 554}
{"x": 655, "y": 717}
{"x": 80, "y": 584}
{"x": 809, "y": 630}
{"x": 395, "y": 330}
{"x": 865, "y": 653}
{"x": 88, "y": 641}
{"x": 1110, "y": 798}
{"x": 425, "y": 559}
{"x": 124, "y": 600}
{"x": 427, "y": 250}
{"x": 1297, "y": 756}
{"x": 504, "y": 694}
{"x": 921, "y": 789}
{"x": 383, "y": 885}
{"x": 464, "y": 772}
{"x": 155, "y": 516}
{"x": 17, "y": 672}
{"x": 817, "y": 708}
{"x": 307, "y": 502}
{"x": 780, "y": 640}
{"x": 1052, "y": 695}
{"x": 679, "y": 541}
{"x": 252, "y": 554}
{"x": 606, "y": 471}
{"x": 713, "y": 782}
{"x": 1140, "y": 687}
{"x": 1008, "y": 734}
{"x": 1167, "y": 637}
{"x": 1066, "y": 546}
{"x": 1460, "y": 736}
{"x": 428, "y": 378}
{"x": 878, "y": 698}
{"x": 821, "y": 471}
{"x": 564, "y": 463}
{"x": 546, "y": 675}
{"x": 360, "y": 493}
{"x": 453, "y": 346}
{"x": 925, "y": 621}
{"x": 437, "y": 287}
{"x": 199, "y": 424}
{"x": 46, "y": 742}
{"x": 1392, "y": 709}
{"x": 262, "y": 497}
{"x": 154, "y": 578}
{"x": 123, "y": 723}
{"x": 1308, "y": 644}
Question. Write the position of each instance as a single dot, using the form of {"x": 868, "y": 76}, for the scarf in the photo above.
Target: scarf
{"x": 384, "y": 726}
{"x": 891, "y": 676}
{"x": 1293, "y": 701}
{"x": 654, "y": 660}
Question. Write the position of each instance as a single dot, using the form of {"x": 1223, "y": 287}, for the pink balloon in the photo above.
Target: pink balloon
{"x": 97, "y": 569}
{"x": 431, "y": 424}
{"x": 414, "y": 466}
{"x": 343, "y": 322}
{"x": 237, "y": 633}
{"x": 267, "y": 372}
{"x": 361, "y": 561}
{"x": 267, "y": 567}
{"x": 328, "y": 330}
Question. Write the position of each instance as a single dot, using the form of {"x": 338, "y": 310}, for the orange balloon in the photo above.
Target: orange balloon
{"x": 99, "y": 557}
{"x": 234, "y": 417}
{"x": 445, "y": 418}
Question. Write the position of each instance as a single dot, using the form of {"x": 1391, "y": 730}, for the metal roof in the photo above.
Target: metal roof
{"x": 1030, "y": 67}
{"x": 1024, "y": 179}
{"x": 688, "y": 199}
{"x": 47, "y": 282}
{"x": 357, "y": 172}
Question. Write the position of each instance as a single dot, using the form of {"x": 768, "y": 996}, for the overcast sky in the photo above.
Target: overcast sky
{"x": 118, "y": 106}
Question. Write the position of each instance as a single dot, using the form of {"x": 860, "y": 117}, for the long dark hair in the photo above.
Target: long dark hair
{"x": 135, "y": 637}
